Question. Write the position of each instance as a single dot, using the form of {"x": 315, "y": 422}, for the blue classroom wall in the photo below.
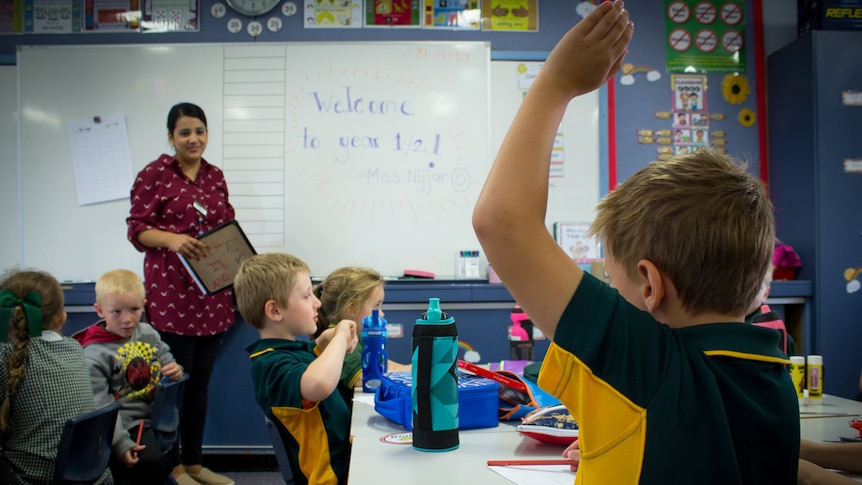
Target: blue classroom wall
{"x": 635, "y": 104}
{"x": 640, "y": 96}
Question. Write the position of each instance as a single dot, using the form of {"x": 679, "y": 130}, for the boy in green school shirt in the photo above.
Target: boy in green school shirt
{"x": 295, "y": 380}
{"x": 666, "y": 382}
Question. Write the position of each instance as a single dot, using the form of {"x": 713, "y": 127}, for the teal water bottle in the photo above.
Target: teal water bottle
{"x": 434, "y": 390}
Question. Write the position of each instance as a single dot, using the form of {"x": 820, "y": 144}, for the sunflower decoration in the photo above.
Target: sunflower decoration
{"x": 735, "y": 88}
{"x": 747, "y": 118}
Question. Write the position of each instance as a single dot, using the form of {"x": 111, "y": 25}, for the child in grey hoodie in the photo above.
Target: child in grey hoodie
{"x": 126, "y": 359}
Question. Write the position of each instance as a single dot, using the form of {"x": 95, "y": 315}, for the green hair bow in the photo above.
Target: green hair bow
{"x": 32, "y": 305}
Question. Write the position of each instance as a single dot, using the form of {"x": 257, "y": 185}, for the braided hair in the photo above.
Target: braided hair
{"x": 21, "y": 283}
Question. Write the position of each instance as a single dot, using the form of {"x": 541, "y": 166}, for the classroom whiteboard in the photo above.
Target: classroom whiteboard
{"x": 9, "y": 165}
{"x": 574, "y": 193}
{"x": 362, "y": 153}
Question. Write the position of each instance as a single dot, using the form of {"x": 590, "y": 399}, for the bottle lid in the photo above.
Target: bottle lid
{"x": 815, "y": 360}
{"x": 374, "y": 325}
{"x": 797, "y": 359}
{"x": 434, "y": 316}
{"x": 518, "y": 314}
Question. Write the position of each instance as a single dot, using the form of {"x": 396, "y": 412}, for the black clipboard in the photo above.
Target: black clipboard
{"x": 228, "y": 248}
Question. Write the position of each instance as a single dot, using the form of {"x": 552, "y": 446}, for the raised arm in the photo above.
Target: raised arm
{"x": 509, "y": 217}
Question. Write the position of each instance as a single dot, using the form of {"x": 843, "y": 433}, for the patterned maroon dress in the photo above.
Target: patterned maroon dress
{"x": 164, "y": 198}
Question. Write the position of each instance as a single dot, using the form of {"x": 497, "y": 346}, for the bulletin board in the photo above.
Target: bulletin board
{"x": 647, "y": 97}
{"x": 340, "y": 153}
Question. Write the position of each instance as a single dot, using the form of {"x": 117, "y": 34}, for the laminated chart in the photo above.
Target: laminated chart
{"x": 102, "y": 158}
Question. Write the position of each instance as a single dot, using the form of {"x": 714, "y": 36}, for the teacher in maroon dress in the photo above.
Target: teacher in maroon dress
{"x": 175, "y": 199}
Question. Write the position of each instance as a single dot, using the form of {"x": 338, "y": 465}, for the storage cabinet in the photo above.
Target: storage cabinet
{"x": 815, "y": 182}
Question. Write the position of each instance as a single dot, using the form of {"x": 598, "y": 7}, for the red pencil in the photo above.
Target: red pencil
{"x": 483, "y": 372}
{"x": 140, "y": 433}
{"x": 561, "y": 461}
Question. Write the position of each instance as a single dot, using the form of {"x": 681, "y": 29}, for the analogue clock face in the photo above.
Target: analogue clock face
{"x": 253, "y": 7}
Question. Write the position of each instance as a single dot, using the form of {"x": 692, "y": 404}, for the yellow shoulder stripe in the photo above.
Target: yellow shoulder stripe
{"x": 747, "y": 356}
{"x": 273, "y": 350}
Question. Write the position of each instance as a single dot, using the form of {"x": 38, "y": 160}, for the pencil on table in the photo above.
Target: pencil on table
{"x": 531, "y": 462}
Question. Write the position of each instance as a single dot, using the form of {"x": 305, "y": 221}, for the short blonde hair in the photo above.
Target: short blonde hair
{"x": 119, "y": 282}
{"x": 264, "y": 277}
{"x": 702, "y": 219}
{"x": 342, "y": 292}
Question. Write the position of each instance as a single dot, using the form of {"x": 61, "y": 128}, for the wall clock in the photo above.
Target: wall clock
{"x": 253, "y": 8}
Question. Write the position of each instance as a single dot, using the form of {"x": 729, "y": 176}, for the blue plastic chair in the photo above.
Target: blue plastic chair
{"x": 165, "y": 416}
{"x": 85, "y": 445}
{"x": 280, "y": 451}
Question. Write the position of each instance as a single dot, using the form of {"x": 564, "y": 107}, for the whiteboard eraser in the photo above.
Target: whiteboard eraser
{"x": 418, "y": 273}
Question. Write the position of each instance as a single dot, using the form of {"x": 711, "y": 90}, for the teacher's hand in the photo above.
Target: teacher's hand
{"x": 188, "y": 246}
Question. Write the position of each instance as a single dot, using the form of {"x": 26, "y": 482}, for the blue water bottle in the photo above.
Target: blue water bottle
{"x": 374, "y": 358}
{"x": 434, "y": 390}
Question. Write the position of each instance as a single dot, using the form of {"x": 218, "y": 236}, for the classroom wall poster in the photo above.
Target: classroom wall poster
{"x": 333, "y": 15}
{"x": 452, "y": 14}
{"x": 572, "y": 237}
{"x": 393, "y": 13}
{"x": 527, "y": 73}
{"x": 690, "y": 119}
{"x": 101, "y": 157}
{"x": 10, "y": 16}
{"x": 170, "y": 16}
{"x": 112, "y": 15}
{"x": 511, "y": 15}
{"x": 52, "y": 16}
{"x": 705, "y": 35}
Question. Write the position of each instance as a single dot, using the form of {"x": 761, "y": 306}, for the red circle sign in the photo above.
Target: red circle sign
{"x": 679, "y": 40}
{"x": 706, "y": 40}
{"x": 731, "y": 13}
{"x": 678, "y": 12}
{"x": 731, "y": 41}
{"x": 705, "y": 12}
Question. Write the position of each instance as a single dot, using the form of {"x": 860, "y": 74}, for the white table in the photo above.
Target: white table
{"x": 372, "y": 459}
{"x": 829, "y": 407}
{"x": 829, "y": 419}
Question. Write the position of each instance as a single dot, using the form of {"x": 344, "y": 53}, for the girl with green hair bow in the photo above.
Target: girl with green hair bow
{"x": 43, "y": 378}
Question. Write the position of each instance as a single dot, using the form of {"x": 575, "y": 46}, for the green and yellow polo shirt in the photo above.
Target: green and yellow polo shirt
{"x": 315, "y": 434}
{"x": 655, "y": 405}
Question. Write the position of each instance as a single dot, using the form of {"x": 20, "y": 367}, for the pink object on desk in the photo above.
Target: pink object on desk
{"x": 515, "y": 366}
{"x": 418, "y": 273}
{"x": 492, "y": 276}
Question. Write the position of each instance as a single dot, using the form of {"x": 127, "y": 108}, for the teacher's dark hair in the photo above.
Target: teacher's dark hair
{"x": 184, "y": 109}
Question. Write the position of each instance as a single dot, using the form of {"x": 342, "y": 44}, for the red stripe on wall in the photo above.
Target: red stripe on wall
{"x": 612, "y": 138}
{"x": 760, "y": 86}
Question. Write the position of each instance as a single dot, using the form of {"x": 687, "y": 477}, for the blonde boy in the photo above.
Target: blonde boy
{"x": 126, "y": 359}
{"x": 667, "y": 383}
{"x": 295, "y": 380}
